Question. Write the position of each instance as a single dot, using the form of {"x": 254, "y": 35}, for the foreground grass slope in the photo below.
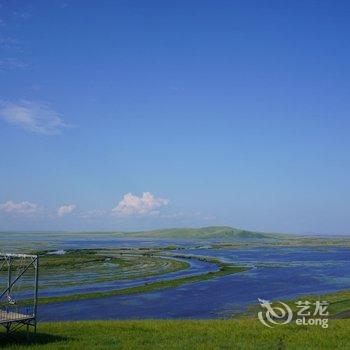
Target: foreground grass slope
{"x": 211, "y": 334}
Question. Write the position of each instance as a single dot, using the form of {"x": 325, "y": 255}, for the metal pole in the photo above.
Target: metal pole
{"x": 36, "y": 265}
{"x": 9, "y": 277}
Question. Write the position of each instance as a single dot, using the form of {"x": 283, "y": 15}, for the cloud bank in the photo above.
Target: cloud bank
{"x": 134, "y": 205}
{"x": 66, "y": 209}
{"x": 19, "y": 208}
{"x": 34, "y": 117}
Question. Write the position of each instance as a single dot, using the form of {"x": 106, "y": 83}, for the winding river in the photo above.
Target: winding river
{"x": 276, "y": 273}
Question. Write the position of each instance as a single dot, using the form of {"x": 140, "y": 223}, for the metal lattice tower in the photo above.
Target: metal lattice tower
{"x": 19, "y": 275}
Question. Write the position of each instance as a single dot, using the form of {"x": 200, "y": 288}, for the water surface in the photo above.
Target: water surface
{"x": 277, "y": 273}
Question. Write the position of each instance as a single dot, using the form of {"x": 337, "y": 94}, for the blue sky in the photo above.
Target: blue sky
{"x": 130, "y": 115}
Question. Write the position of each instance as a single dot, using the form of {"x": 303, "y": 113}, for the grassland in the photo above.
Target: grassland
{"x": 194, "y": 334}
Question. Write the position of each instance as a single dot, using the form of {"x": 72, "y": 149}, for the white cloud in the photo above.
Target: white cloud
{"x": 19, "y": 208}
{"x": 66, "y": 209}
{"x": 134, "y": 205}
{"x": 34, "y": 117}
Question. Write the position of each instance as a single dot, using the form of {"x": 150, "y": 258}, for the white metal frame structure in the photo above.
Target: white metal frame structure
{"x": 13, "y": 316}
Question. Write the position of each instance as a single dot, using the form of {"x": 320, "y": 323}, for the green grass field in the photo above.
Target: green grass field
{"x": 200, "y": 334}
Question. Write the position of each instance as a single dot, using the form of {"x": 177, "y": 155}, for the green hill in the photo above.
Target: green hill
{"x": 211, "y": 232}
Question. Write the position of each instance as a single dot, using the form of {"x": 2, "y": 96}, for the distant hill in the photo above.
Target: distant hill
{"x": 211, "y": 232}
